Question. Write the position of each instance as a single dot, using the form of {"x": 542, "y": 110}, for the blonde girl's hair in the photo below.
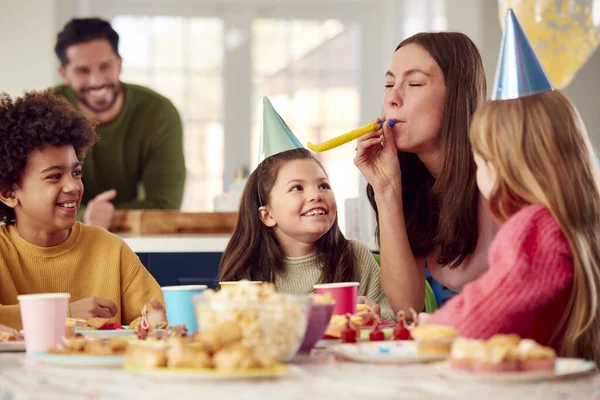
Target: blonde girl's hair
{"x": 541, "y": 151}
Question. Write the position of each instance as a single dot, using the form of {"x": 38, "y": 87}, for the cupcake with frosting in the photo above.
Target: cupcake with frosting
{"x": 502, "y": 339}
{"x": 465, "y": 351}
{"x": 434, "y": 340}
{"x": 534, "y": 357}
{"x": 499, "y": 357}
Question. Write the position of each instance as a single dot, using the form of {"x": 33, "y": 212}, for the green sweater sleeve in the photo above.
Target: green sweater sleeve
{"x": 164, "y": 172}
{"x": 369, "y": 278}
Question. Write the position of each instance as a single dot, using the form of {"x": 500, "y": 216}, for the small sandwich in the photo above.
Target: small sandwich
{"x": 338, "y": 323}
{"x": 534, "y": 357}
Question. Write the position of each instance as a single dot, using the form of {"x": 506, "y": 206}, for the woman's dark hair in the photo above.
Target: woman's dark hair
{"x": 82, "y": 30}
{"x": 441, "y": 213}
{"x": 253, "y": 252}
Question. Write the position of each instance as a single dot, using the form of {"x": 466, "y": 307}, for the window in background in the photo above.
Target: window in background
{"x": 422, "y": 16}
{"x": 310, "y": 70}
{"x": 182, "y": 59}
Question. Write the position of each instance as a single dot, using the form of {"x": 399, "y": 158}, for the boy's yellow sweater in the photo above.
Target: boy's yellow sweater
{"x": 91, "y": 262}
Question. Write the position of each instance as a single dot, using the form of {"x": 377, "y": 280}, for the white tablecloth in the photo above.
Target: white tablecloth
{"x": 319, "y": 376}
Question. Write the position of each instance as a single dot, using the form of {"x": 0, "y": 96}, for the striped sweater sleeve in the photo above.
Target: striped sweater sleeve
{"x": 369, "y": 278}
{"x": 530, "y": 265}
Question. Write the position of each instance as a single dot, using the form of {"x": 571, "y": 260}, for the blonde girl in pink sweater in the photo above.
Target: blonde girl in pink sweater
{"x": 537, "y": 169}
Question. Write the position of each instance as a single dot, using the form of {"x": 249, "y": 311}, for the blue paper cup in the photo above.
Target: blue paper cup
{"x": 178, "y": 302}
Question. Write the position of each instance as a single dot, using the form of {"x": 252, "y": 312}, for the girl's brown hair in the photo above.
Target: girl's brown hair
{"x": 253, "y": 252}
{"x": 542, "y": 154}
{"x": 442, "y": 214}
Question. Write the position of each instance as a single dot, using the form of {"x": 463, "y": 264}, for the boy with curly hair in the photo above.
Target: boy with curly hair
{"x": 43, "y": 142}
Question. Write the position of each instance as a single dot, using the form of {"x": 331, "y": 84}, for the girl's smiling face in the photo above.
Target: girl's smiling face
{"x": 301, "y": 205}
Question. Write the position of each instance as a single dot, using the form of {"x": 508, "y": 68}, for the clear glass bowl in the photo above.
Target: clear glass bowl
{"x": 276, "y": 325}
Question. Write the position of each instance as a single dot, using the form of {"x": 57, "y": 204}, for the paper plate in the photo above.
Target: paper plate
{"x": 12, "y": 346}
{"x": 276, "y": 371}
{"x": 386, "y": 352}
{"x": 565, "y": 368}
{"x": 75, "y": 360}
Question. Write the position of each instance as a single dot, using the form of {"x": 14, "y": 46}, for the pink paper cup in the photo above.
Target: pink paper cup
{"x": 44, "y": 318}
{"x": 345, "y": 295}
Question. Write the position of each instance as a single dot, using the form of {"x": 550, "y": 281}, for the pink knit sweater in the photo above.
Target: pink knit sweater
{"x": 526, "y": 288}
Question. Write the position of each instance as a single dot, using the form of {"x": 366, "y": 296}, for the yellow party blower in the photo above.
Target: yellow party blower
{"x": 347, "y": 137}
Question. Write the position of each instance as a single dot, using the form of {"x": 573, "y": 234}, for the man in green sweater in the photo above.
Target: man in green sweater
{"x": 138, "y": 162}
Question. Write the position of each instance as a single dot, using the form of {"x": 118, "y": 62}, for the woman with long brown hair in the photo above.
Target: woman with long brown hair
{"x": 287, "y": 233}
{"x": 421, "y": 173}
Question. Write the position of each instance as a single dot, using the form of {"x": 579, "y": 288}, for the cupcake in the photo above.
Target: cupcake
{"x": 434, "y": 340}
{"x": 534, "y": 357}
{"x": 510, "y": 340}
{"x": 499, "y": 357}
{"x": 465, "y": 351}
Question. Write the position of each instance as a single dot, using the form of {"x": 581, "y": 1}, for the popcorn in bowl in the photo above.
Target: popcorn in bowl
{"x": 269, "y": 320}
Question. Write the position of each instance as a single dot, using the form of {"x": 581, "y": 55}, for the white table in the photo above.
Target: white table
{"x": 319, "y": 376}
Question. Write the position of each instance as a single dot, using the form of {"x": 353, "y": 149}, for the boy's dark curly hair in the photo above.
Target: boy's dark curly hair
{"x": 34, "y": 121}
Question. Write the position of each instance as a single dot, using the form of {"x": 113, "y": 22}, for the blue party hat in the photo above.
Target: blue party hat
{"x": 519, "y": 72}
{"x": 276, "y": 135}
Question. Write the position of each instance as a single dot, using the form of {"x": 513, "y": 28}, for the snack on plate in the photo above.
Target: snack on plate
{"x": 321, "y": 298}
{"x": 363, "y": 308}
{"x": 465, "y": 352}
{"x": 500, "y": 357}
{"x": 534, "y": 357}
{"x": 502, "y": 339}
{"x": 146, "y": 354}
{"x": 115, "y": 346}
{"x": 338, "y": 323}
{"x": 155, "y": 318}
{"x": 220, "y": 347}
{"x": 501, "y": 353}
{"x": 97, "y": 323}
{"x": 267, "y": 319}
{"x": 7, "y": 337}
{"x": 434, "y": 340}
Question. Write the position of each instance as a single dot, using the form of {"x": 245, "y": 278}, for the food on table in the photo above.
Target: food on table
{"x": 155, "y": 319}
{"x": 501, "y": 353}
{"x": 7, "y": 337}
{"x": 325, "y": 298}
{"x": 349, "y": 333}
{"x": 220, "y": 347}
{"x": 363, "y": 308}
{"x": 339, "y": 322}
{"x": 274, "y": 321}
{"x": 115, "y": 346}
{"x": 434, "y": 339}
{"x": 376, "y": 334}
{"x": 534, "y": 357}
{"x": 400, "y": 331}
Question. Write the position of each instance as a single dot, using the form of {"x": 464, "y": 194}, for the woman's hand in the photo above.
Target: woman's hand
{"x": 377, "y": 158}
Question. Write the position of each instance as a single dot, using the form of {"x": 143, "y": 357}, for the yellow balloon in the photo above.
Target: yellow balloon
{"x": 563, "y": 33}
